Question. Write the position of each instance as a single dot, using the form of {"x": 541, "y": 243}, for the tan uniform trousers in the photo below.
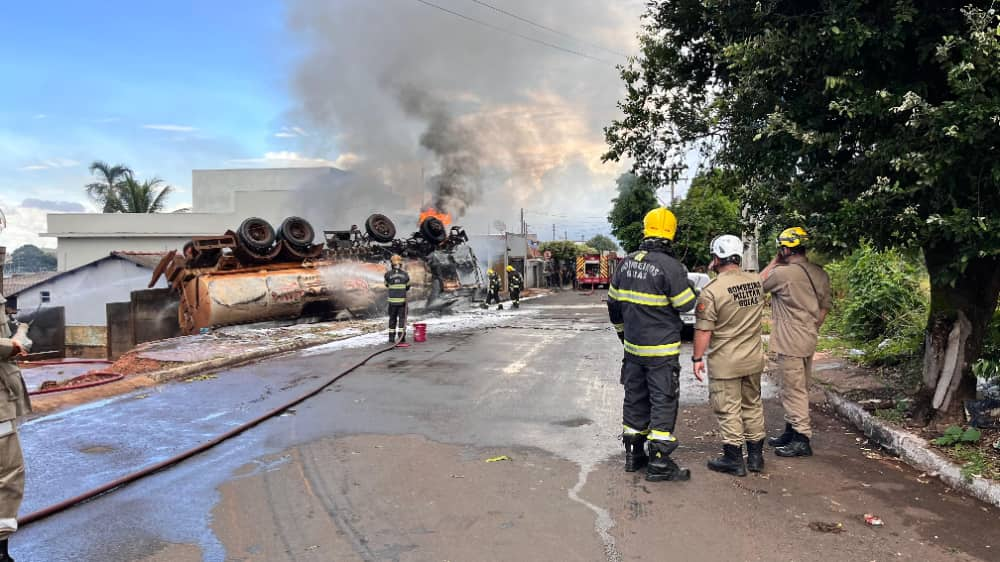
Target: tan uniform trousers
{"x": 11, "y": 477}
{"x": 739, "y": 408}
{"x": 793, "y": 374}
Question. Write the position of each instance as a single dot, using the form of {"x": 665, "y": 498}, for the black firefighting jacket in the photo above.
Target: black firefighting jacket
{"x": 647, "y": 294}
{"x": 398, "y": 282}
{"x": 495, "y": 283}
{"x": 514, "y": 281}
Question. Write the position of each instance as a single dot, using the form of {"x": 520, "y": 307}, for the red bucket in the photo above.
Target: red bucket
{"x": 420, "y": 332}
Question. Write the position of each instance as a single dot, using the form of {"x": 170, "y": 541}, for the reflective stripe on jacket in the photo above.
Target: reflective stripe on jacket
{"x": 398, "y": 282}
{"x": 647, "y": 294}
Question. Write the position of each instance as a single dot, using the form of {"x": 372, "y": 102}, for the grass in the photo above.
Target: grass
{"x": 975, "y": 462}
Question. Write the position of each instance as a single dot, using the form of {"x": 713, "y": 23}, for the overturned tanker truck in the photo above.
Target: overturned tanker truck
{"x": 258, "y": 274}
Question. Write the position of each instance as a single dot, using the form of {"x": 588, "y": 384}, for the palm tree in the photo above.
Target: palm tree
{"x": 103, "y": 192}
{"x": 133, "y": 196}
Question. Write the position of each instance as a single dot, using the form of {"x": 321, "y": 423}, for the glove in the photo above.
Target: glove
{"x": 21, "y": 337}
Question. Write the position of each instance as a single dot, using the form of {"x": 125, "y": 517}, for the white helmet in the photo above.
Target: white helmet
{"x": 726, "y": 246}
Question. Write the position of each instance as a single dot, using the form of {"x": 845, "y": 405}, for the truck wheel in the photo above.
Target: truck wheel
{"x": 256, "y": 235}
{"x": 297, "y": 232}
{"x": 380, "y": 228}
{"x": 433, "y": 230}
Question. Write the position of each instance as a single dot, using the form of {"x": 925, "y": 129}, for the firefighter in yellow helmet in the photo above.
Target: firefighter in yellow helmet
{"x": 648, "y": 293}
{"x": 398, "y": 283}
{"x": 800, "y": 300}
{"x": 493, "y": 288}
{"x": 514, "y": 285}
{"x": 14, "y": 403}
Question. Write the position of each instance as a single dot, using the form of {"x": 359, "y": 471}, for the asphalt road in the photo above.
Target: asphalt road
{"x": 391, "y": 464}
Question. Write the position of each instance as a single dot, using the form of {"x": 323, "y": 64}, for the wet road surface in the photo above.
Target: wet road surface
{"x": 389, "y": 464}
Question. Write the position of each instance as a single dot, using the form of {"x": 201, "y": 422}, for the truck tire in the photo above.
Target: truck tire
{"x": 256, "y": 235}
{"x": 297, "y": 233}
{"x": 380, "y": 228}
{"x": 433, "y": 230}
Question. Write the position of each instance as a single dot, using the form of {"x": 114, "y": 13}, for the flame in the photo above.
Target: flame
{"x": 445, "y": 218}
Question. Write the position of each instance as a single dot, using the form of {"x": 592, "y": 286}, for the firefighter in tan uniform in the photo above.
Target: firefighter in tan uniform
{"x": 800, "y": 300}
{"x": 728, "y": 345}
{"x": 14, "y": 403}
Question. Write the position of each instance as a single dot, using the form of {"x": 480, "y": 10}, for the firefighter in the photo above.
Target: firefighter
{"x": 14, "y": 403}
{"x": 493, "y": 290}
{"x": 728, "y": 344}
{"x": 647, "y": 294}
{"x": 514, "y": 284}
{"x": 800, "y": 300}
{"x": 398, "y": 283}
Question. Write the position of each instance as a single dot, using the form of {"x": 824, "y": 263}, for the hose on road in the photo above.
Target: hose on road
{"x": 151, "y": 469}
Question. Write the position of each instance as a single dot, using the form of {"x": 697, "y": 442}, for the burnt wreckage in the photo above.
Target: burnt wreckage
{"x": 257, "y": 273}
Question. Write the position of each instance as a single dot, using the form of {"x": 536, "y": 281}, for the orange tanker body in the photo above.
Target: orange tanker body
{"x": 253, "y": 275}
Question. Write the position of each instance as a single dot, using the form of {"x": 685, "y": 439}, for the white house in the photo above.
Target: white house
{"x": 84, "y": 292}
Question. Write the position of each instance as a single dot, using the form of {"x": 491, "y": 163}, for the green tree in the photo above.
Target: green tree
{"x": 858, "y": 119}
{"x": 561, "y": 249}
{"x": 704, "y": 213}
{"x": 133, "y": 196}
{"x": 104, "y": 191}
{"x": 636, "y": 197}
{"x": 602, "y": 243}
{"x": 31, "y": 259}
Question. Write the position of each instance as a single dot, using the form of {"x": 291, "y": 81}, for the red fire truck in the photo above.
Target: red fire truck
{"x": 595, "y": 270}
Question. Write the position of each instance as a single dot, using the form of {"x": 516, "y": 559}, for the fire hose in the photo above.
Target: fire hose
{"x": 105, "y": 377}
{"x": 153, "y": 468}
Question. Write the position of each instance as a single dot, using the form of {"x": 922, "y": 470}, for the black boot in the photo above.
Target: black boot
{"x": 731, "y": 461}
{"x": 4, "y": 555}
{"x": 755, "y": 456}
{"x": 635, "y": 451}
{"x": 392, "y": 337}
{"x": 797, "y": 447}
{"x": 783, "y": 439}
{"x": 661, "y": 466}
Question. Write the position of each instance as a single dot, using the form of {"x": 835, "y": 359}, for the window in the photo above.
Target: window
{"x": 46, "y": 297}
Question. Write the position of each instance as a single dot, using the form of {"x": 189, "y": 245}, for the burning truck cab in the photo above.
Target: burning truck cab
{"x": 257, "y": 273}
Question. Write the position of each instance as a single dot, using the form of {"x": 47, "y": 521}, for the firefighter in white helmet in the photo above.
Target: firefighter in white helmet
{"x": 728, "y": 345}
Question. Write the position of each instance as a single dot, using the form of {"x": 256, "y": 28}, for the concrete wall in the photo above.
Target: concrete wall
{"x": 153, "y": 315}
{"x": 76, "y": 252}
{"x": 85, "y": 292}
{"x": 119, "y": 331}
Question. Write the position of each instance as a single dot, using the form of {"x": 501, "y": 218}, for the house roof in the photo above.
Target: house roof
{"x": 148, "y": 260}
{"x": 19, "y": 282}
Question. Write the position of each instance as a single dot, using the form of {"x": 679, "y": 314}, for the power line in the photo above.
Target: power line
{"x": 514, "y": 33}
{"x": 547, "y": 28}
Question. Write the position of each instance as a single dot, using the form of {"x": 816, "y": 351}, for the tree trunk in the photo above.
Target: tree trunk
{"x": 958, "y": 320}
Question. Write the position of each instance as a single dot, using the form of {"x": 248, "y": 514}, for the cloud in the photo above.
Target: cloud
{"x": 171, "y": 128}
{"x": 290, "y": 132}
{"x": 284, "y": 158}
{"x": 57, "y": 206}
{"x": 24, "y": 224}
{"x": 50, "y": 164}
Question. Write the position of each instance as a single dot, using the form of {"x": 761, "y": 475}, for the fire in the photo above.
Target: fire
{"x": 445, "y": 218}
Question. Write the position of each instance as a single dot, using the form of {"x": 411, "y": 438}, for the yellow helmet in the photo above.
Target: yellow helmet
{"x": 659, "y": 223}
{"x": 510, "y": 268}
{"x": 490, "y": 272}
{"x": 793, "y": 237}
{"x": 396, "y": 259}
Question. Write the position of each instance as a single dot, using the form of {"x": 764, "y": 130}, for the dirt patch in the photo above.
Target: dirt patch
{"x": 768, "y": 516}
{"x": 48, "y": 403}
{"x": 405, "y": 498}
{"x": 132, "y": 364}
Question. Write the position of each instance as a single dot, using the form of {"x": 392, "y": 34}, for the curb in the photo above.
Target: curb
{"x": 913, "y": 450}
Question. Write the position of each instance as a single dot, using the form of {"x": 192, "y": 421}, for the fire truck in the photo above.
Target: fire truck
{"x": 595, "y": 270}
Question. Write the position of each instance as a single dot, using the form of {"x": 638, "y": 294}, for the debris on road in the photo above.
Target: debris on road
{"x": 824, "y": 527}
{"x": 498, "y": 459}
{"x": 205, "y": 377}
{"x": 873, "y": 520}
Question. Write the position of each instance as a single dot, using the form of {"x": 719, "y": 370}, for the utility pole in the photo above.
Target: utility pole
{"x": 553, "y": 232}
{"x": 523, "y": 227}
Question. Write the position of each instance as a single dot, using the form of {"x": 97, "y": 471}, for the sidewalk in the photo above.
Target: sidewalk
{"x": 856, "y": 394}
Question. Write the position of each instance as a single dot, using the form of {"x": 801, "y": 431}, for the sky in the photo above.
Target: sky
{"x": 167, "y": 87}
